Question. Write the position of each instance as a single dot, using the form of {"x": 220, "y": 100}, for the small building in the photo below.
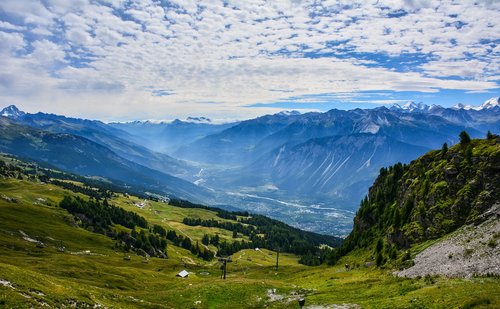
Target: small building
{"x": 183, "y": 274}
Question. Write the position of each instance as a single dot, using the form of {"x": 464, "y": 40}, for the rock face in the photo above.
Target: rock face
{"x": 471, "y": 250}
{"x": 334, "y": 166}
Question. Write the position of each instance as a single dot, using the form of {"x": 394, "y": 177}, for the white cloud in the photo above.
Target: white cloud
{"x": 8, "y": 26}
{"x": 237, "y": 54}
{"x": 11, "y": 42}
{"x": 32, "y": 11}
{"x": 47, "y": 53}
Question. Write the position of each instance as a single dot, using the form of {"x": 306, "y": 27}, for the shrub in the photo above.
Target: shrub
{"x": 492, "y": 243}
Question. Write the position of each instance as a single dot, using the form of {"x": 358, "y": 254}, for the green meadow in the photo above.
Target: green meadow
{"x": 92, "y": 272}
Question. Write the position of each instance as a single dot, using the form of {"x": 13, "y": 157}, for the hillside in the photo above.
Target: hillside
{"x": 53, "y": 258}
{"x": 105, "y": 135}
{"x": 339, "y": 166}
{"x": 77, "y": 154}
{"x": 412, "y": 205}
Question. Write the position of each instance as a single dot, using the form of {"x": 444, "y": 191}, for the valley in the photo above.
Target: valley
{"x": 92, "y": 271}
{"x": 88, "y": 220}
{"x": 229, "y": 154}
{"x": 309, "y": 170}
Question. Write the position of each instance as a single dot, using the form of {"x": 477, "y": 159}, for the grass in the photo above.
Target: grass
{"x": 171, "y": 217}
{"x": 32, "y": 276}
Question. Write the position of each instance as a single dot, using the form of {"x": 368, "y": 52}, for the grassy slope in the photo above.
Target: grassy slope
{"x": 171, "y": 217}
{"x": 48, "y": 276}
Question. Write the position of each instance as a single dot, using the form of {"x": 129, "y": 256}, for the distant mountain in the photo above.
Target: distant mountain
{"x": 412, "y": 107}
{"x": 85, "y": 157}
{"x": 413, "y": 123}
{"x": 489, "y": 104}
{"x": 337, "y": 166}
{"x": 235, "y": 144}
{"x": 12, "y": 111}
{"x": 108, "y": 136}
{"x": 302, "y": 155}
{"x": 167, "y": 137}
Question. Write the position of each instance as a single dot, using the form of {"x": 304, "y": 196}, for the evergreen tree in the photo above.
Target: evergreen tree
{"x": 205, "y": 240}
{"x": 490, "y": 135}
{"x": 444, "y": 149}
{"x": 468, "y": 154}
{"x": 397, "y": 218}
{"x": 379, "y": 246}
{"x": 379, "y": 260}
{"x": 464, "y": 138}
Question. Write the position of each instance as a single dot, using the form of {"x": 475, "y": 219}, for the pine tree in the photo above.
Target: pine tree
{"x": 397, "y": 218}
{"x": 464, "y": 138}
{"x": 468, "y": 153}
{"x": 444, "y": 149}
{"x": 490, "y": 135}
{"x": 205, "y": 240}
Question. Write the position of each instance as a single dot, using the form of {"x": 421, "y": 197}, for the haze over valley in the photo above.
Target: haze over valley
{"x": 309, "y": 170}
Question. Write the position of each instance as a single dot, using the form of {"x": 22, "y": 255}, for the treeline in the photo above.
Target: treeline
{"x": 186, "y": 243}
{"x": 99, "y": 217}
{"x": 225, "y": 248}
{"x": 221, "y": 213}
{"x": 97, "y": 193}
{"x": 230, "y": 226}
{"x": 266, "y": 233}
{"x": 276, "y": 231}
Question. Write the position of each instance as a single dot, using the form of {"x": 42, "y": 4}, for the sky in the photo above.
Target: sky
{"x": 118, "y": 60}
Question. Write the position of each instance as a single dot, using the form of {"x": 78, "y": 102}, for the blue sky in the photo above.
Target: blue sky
{"x": 119, "y": 60}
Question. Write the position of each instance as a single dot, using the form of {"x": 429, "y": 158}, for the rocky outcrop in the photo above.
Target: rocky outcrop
{"x": 470, "y": 251}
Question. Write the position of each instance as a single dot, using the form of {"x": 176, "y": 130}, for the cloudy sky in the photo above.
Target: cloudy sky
{"x": 124, "y": 60}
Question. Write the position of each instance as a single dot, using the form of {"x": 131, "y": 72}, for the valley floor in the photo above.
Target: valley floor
{"x": 104, "y": 279}
{"x": 91, "y": 274}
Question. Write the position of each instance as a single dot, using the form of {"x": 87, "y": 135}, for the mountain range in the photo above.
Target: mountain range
{"x": 330, "y": 157}
{"x": 309, "y": 170}
{"x": 81, "y": 155}
{"x": 167, "y": 137}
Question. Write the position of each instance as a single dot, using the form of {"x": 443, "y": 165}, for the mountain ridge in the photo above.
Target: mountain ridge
{"x": 431, "y": 197}
{"x": 117, "y": 140}
{"x": 228, "y": 159}
{"x": 80, "y": 155}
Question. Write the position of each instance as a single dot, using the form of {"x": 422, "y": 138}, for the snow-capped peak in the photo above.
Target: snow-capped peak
{"x": 12, "y": 111}
{"x": 489, "y": 104}
{"x": 434, "y": 107}
{"x": 466, "y": 107}
{"x": 411, "y": 106}
{"x": 289, "y": 113}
